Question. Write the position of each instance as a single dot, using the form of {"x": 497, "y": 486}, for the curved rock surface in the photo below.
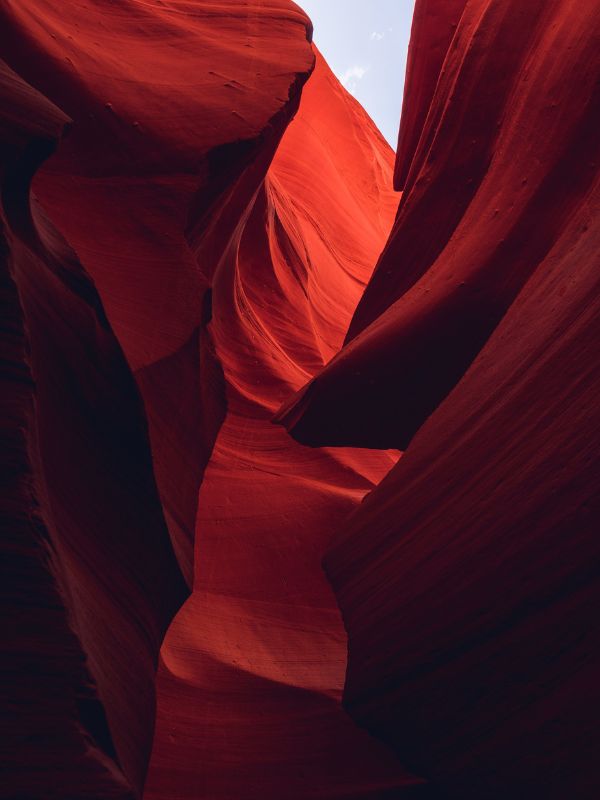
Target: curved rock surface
{"x": 164, "y": 152}
{"x": 506, "y": 155}
{"x": 160, "y": 189}
{"x": 469, "y": 579}
{"x": 469, "y": 576}
{"x": 173, "y": 129}
{"x": 193, "y": 226}
{"x": 80, "y": 507}
{"x": 433, "y": 27}
{"x": 258, "y": 653}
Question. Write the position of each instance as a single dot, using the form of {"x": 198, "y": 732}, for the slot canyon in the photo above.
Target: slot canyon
{"x": 300, "y": 435}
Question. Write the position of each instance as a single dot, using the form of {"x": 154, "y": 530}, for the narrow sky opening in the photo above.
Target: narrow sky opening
{"x": 365, "y": 43}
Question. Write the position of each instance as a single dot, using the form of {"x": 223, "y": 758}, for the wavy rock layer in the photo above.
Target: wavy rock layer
{"x": 253, "y": 667}
{"x": 173, "y": 130}
{"x": 433, "y": 27}
{"x": 506, "y": 155}
{"x": 178, "y": 259}
{"x": 469, "y": 577}
{"x": 86, "y": 619}
{"x": 160, "y": 189}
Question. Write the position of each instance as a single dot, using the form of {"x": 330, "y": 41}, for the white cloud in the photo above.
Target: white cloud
{"x": 376, "y": 36}
{"x": 356, "y": 72}
{"x": 352, "y": 75}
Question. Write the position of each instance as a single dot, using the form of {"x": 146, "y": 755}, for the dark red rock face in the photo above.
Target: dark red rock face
{"x": 198, "y": 236}
{"x": 506, "y": 157}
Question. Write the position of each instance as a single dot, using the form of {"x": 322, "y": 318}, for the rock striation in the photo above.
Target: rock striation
{"x": 221, "y": 328}
{"x": 468, "y": 577}
{"x": 258, "y": 652}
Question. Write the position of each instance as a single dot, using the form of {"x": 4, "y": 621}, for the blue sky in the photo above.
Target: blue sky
{"x": 365, "y": 43}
